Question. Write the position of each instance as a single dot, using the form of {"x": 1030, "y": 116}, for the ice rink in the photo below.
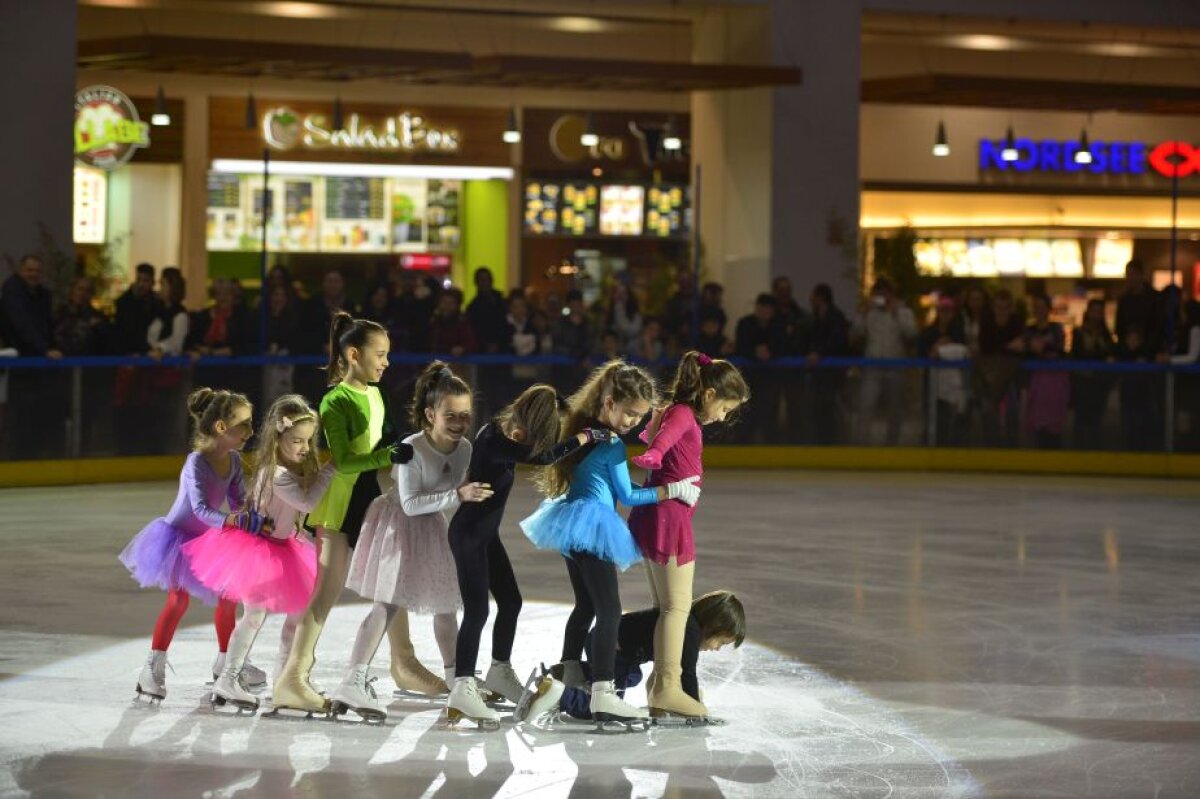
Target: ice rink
{"x": 909, "y": 636}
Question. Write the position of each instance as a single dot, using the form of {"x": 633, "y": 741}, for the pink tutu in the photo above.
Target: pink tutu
{"x": 260, "y": 571}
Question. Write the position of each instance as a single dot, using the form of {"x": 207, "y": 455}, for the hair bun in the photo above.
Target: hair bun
{"x": 199, "y": 400}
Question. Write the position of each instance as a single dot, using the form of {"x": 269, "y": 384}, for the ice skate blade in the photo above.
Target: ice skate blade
{"x": 413, "y": 696}
{"x": 242, "y": 706}
{"x": 453, "y": 719}
{"x": 338, "y": 711}
{"x": 665, "y": 720}
{"x": 609, "y": 724}
{"x": 295, "y": 714}
{"x": 151, "y": 700}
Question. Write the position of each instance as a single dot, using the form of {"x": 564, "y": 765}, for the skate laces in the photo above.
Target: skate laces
{"x": 369, "y": 686}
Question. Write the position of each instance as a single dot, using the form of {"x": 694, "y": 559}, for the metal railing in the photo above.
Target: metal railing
{"x": 103, "y": 406}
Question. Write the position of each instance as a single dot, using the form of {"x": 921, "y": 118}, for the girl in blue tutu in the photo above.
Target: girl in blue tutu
{"x": 580, "y": 520}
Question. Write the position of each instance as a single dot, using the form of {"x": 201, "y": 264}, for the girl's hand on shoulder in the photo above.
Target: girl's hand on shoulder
{"x": 475, "y": 492}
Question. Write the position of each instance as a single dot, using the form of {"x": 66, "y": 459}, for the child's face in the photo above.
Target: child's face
{"x": 296, "y": 442}
{"x": 233, "y": 433}
{"x": 717, "y": 410}
{"x": 368, "y": 364}
{"x": 623, "y": 416}
{"x": 451, "y": 419}
{"x": 715, "y": 642}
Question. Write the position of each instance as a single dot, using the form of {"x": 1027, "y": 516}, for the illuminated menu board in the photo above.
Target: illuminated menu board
{"x": 667, "y": 211}
{"x": 621, "y": 210}
{"x": 90, "y": 215}
{"x": 541, "y": 208}
{"x": 1009, "y": 257}
{"x": 354, "y": 198}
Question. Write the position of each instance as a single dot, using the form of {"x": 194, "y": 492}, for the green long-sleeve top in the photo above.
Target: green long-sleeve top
{"x": 353, "y": 423}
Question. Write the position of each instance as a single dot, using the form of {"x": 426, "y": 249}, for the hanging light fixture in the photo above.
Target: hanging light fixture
{"x": 671, "y": 140}
{"x": 512, "y": 133}
{"x": 1083, "y": 155}
{"x": 1010, "y": 151}
{"x": 251, "y": 112}
{"x": 339, "y": 118}
{"x": 589, "y": 137}
{"x": 941, "y": 147}
{"x": 160, "y": 117}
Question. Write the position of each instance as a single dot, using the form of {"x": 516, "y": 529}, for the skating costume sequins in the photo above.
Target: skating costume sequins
{"x": 276, "y": 571}
{"x": 585, "y": 519}
{"x": 353, "y": 423}
{"x": 403, "y": 554}
{"x": 664, "y": 531}
{"x": 155, "y": 556}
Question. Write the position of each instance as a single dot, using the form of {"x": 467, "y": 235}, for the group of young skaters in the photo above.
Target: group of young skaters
{"x": 379, "y": 509}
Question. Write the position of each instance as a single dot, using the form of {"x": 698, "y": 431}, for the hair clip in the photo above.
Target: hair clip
{"x": 284, "y": 424}
{"x": 704, "y": 360}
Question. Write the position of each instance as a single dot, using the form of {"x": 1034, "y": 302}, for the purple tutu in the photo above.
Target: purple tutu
{"x": 257, "y": 570}
{"x": 155, "y": 559}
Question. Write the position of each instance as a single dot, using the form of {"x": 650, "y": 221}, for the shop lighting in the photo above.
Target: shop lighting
{"x": 589, "y": 137}
{"x": 671, "y": 140}
{"x": 512, "y": 134}
{"x": 235, "y": 166}
{"x": 1084, "y": 154}
{"x": 1010, "y": 151}
{"x": 160, "y": 117}
{"x": 251, "y": 112}
{"x": 941, "y": 148}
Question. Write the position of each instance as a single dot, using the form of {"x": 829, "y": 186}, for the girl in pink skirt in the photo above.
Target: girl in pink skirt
{"x": 274, "y": 570}
{"x": 705, "y": 390}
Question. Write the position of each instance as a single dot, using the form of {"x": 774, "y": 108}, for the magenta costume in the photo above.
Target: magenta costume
{"x": 155, "y": 556}
{"x": 664, "y": 531}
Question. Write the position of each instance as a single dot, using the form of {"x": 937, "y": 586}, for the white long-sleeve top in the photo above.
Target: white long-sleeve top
{"x": 172, "y": 344}
{"x": 1193, "y": 351}
{"x": 429, "y": 482}
{"x": 290, "y": 498}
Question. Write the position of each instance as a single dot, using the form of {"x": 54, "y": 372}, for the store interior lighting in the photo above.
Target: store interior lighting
{"x": 1084, "y": 154}
{"x": 160, "y": 117}
{"x": 1010, "y": 151}
{"x": 237, "y": 166}
{"x": 671, "y": 140}
{"x": 941, "y": 147}
{"x": 512, "y": 133}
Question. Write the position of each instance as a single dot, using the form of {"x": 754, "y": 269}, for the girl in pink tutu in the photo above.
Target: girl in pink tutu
{"x": 274, "y": 570}
{"x": 705, "y": 390}
{"x": 403, "y": 560}
{"x": 211, "y": 477}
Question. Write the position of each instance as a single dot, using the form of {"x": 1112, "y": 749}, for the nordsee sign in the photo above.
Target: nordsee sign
{"x": 1169, "y": 158}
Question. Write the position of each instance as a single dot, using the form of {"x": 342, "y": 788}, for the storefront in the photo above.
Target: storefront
{"x": 127, "y": 184}
{"x": 391, "y": 188}
{"x": 617, "y": 202}
{"x": 1041, "y": 217}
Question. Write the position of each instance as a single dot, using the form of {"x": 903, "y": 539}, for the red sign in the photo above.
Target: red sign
{"x": 426, "y": 261}
{"x": 1175, "y": 159}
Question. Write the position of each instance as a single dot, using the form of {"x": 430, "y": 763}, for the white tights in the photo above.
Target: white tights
{"x": 380, "y": 617}
{"x": 247, "y": 630}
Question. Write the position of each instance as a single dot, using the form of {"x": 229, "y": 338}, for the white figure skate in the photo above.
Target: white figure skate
{"x": 540, "y": 697}
{"x": 228, "y": 690}
{"x": 466, "y": 703}
{"x": 358, "y": 694}
{"x": 612, "y": 713}
{"x": 502, "y": 681}
{"x": 152, "y": 682}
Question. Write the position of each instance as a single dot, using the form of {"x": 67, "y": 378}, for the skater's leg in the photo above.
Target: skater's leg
{"x": 508, "y": 601}
{"x": 370, "y": 633}
{"x": 599, "y": 578}
{"x": 332, "y": 564}
{"x": 654, "y": 595}
{"x": 244, "y": 635}
{"x": 286, "y": 636}
{"x": 471, "y": 563}
{"x": 224, "y": 619}
{"x": 169, "y": 618}
{"x": 674, "y": 583}
{"x": 407, "y": 671}
{"x": 580, "y": 620}
{"x": 445, "y": 630}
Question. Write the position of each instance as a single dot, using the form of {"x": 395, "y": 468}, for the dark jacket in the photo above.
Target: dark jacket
{"x": 132, "y": 322}
{"x": 488, "y": 315}
{"x": 25, "y": 315}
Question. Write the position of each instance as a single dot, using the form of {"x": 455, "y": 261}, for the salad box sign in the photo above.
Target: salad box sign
{"x": 108, "y": 130}
{"x": 284, "y": 129}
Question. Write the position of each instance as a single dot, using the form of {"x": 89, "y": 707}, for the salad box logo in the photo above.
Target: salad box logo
{"x": 107, "y": 128}
{"x": 284, "y": 129}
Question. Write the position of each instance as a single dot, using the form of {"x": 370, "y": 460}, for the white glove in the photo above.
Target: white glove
{"x": 685, "y": 490}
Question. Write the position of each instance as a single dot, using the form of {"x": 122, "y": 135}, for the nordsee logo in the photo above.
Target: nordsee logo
{"x": 1169, "y": 158}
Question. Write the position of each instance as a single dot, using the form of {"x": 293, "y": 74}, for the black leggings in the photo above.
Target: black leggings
{"x": 483, "y": 564}
{"x": 596, "y": 597}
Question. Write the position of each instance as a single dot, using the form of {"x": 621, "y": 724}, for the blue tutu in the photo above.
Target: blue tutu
{"x": 582, "y": 525}
{"x": 155, "y": 559}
